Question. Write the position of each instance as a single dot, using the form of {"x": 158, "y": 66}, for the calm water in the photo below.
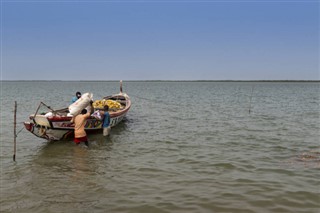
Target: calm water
{"x": 184, "y": 147}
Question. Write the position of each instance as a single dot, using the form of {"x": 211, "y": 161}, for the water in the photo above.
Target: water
{"x": 184, "y": 147}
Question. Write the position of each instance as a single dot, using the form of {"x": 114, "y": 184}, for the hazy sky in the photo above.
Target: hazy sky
{"x": 160, "y": 40}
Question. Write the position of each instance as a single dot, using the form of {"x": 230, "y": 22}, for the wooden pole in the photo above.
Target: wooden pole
{"x": 15, "y": 131}
{"x": 120, "y": 86}
{"x": 251, "y": 99}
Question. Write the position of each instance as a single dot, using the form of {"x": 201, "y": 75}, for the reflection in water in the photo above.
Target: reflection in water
{"x": 63, "y": 173}
{"x": 97, "y": 142}
{"x": 123, "y": 126}
{"x": 65, "y": 162}
{"x": 79, "y": 159}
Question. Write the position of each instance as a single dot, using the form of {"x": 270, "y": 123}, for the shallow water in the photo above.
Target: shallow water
{"x": 184, "y": 147}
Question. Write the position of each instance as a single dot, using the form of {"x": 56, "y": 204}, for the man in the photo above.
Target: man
{"x": 106, "y": 121}
{"x": 74, "y": 99}
{"x": 80, "y": 134}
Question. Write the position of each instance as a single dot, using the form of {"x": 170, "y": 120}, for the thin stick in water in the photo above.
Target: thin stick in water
{"x": 15, "y": 131}
{"x": 251, "y": 99}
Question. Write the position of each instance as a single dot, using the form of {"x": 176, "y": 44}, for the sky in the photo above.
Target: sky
{"x": 160, "y": 40}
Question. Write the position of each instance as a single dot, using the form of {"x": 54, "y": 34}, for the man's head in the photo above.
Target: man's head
{"x": 78, "y": 94}
{"x": 84, "y": 111}
{"x": 106, "y": 108}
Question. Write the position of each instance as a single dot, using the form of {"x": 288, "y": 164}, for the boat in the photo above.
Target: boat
{"x": 54, "y": 125}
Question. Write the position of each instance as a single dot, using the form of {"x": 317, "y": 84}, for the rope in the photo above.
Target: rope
{"x": 155, "y": 101}
{"x": 19, "y": 131}
{"x": 143, "y": 98}
{"x": 170, "y": 104}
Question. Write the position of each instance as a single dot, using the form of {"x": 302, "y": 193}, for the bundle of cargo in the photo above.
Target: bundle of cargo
{"x": 113, "y": 105}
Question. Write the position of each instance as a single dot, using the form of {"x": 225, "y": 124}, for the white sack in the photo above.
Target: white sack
{"x": 80, "y": 104}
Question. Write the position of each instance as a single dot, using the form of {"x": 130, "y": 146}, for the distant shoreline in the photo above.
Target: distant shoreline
{"x": 312, "y": 81}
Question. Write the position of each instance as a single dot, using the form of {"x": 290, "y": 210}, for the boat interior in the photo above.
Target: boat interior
{"x": 47, "y": 111}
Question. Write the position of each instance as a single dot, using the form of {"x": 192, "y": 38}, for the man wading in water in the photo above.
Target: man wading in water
{"x": 106, "y": 121}
{"x": 80, "y": 134}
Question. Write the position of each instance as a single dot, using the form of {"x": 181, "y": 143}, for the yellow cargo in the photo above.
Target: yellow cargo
{"x": 99, "y": 104}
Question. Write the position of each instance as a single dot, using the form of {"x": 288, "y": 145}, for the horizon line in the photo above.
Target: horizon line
{"x": 160, "y": 80}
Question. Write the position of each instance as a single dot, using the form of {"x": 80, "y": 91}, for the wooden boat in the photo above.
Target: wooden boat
{"x": 57, "y": 125}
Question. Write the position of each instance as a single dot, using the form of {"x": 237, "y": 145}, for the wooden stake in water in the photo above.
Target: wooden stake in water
{"x": 15, "y": 131}
{"x": 251, "y": 99}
